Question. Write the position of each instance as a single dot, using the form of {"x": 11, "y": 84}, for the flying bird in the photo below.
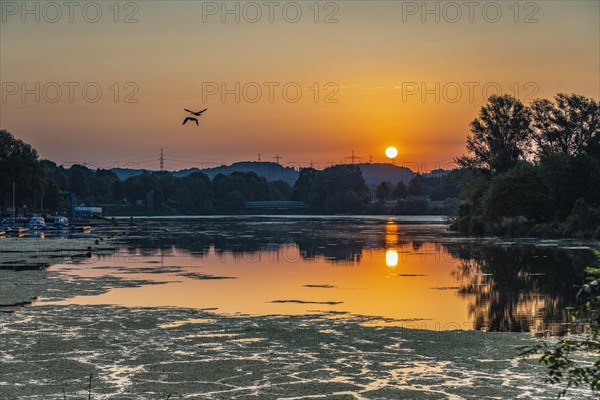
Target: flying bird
{"x": 197, "y": 114}
{"x": 190, "y": 119}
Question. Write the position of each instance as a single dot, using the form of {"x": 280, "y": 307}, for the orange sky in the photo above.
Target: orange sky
{"x": 376, "y": 55}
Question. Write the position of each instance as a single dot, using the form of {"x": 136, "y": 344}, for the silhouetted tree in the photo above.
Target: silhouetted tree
{"x": 19, "y": 164}
{"x": 279, "y": 190}
{"x": 302, "y": 190}
{"x": 507, "y": 194}
{"x": 79, "y": 180}
{"x": 57, "y": 174}
{"x": 445, "y": 186}
{"x": 412, "y": 205}
{"x": 517, "y": 193}
{"x": 337, "y": 189}
{"x": 400, "y": 191}
{"x": 569, "y": 126}
{"x": 383, "y": 191}
{"x": 52, "y": 198}
{"x": 416, "y": 187}
{"x": 500, "y": 136}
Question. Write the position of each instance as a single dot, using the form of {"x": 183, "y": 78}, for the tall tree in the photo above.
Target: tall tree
{"x": 400, "y": 191}
{"x": 303, "y": 185}
{"x": 383, "y": 191}
{"x": 500, "y": 136}
{"x": 416, "y": 187}
{"x": 19, "y": 164}
{"x": 79, "y": 180}
{"x": 569, "y": 126}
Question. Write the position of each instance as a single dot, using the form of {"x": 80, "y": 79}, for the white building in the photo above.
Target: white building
{"x": 86, "y": 212}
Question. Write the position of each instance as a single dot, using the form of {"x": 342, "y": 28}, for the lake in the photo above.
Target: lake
{"x": 290, "y": 307}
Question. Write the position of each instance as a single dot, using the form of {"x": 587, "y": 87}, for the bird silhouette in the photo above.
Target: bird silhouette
{"x": 196, "y": 113}
{"x": 190, "y": 119}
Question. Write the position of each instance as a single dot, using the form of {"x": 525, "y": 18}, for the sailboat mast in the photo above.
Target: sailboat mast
{"x": 13, "y": 205}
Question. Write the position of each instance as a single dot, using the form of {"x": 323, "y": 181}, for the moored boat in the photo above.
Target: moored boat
{"x": 61, "y": 223}
{"x": 37, "y": 223}
{"x": 17, "y": 230}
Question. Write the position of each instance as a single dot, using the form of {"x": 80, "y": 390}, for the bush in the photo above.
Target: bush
{"x": 516, "y": 193}
{"x": 512, "y": 226}
{"x": 415, "y": 205}
{"x": 447, "y": 206}
{"x": 376, "y": 208}
{"x": 583, "y": 220}
{"x": 562, "y": 359}
{"x": 477, "y": 225}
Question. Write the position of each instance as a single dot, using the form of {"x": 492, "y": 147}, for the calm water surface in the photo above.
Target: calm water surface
{"x": 401, "y": 272}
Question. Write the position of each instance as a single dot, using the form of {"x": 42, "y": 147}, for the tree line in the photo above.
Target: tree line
{"x": 436, "y": 194}
{"x": 533, "y": 170}
{"x": 43, "y": 186}
{"x": 193, "y": 194}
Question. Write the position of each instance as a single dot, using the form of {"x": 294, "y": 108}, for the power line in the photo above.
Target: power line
{"x": 353, "y": 158}
{"x": 130, "y": 159}
{"x": 185, "y": 161}
{"x": 203, "y": 163}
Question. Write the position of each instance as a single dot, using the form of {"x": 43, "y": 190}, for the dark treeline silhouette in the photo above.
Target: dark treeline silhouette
{"x": 42, "y": 185}
{"x": 337, "y": 189}
{"x": 436, "y": 188}
{"x": 19, "y": 164}
{"x": 534, "y": 170}
{"x": 432, "y": 194}
{"x": 192, "y": 194}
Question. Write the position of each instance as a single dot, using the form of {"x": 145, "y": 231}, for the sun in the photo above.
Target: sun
{"x": 391, "y": 152}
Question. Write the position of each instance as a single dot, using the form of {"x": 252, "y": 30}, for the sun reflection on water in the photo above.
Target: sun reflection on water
{"x": 391, "y": 258}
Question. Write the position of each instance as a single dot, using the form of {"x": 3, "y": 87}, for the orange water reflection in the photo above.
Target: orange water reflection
{"x": 405, "y": 274}
{"x": 417, "y": 288}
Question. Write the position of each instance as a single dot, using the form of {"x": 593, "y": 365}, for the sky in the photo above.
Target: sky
{"x": 106, "y": 83}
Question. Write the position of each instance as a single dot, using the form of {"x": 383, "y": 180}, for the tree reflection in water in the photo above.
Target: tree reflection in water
{"x": 336, "y": 243}
{"x": 519, "y": 288}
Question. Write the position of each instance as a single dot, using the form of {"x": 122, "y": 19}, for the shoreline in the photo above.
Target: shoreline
{"x": 152, "y": 352}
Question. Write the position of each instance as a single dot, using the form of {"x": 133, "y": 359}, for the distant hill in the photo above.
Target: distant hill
{"x": 436, "y": 173}
{"x": 374, "y": 174}
{"x": 124, "y": 173}
{"x": 269, "y": 170}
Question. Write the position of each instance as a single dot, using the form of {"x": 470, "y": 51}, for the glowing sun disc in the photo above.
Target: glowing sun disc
{"x": 391, "y": 152}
